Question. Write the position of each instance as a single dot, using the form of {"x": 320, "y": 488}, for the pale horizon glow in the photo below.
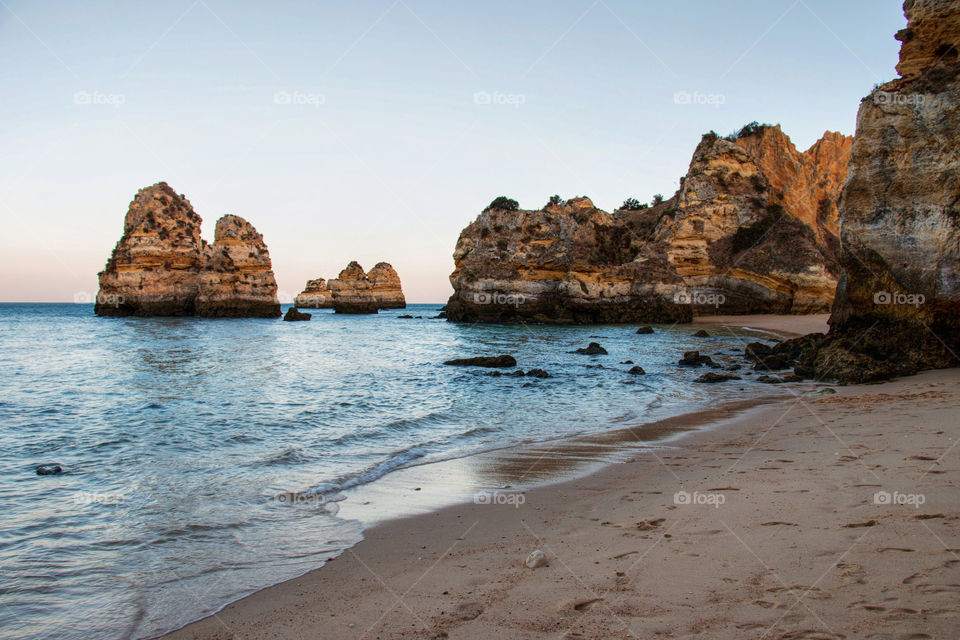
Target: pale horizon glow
{"x": 376, "y": 130}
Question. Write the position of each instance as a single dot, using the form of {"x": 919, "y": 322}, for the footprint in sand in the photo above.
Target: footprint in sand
{"x": 857, "y": 525}
{"x": 777, "y": 523}
{"x": 903, "y": 549}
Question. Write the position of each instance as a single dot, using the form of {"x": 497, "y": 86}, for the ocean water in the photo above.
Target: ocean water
{"x": 205, "y": 459}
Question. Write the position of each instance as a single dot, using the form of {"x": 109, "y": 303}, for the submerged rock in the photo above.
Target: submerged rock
{"x": 49, "y": 470}
{"x": 537, "y": 373}
{"x": 694, "y": 359}
{"x": 701, "y": 334}
{"x": 637, "y": 370}
{"x": 711, "y": 377}
{"x": 592, "y": 349}
{"x": 485, "y": 361}
{"x": 645, "y": 330}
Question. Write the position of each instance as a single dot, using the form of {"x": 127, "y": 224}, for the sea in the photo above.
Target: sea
{"x": 205, "y": 459}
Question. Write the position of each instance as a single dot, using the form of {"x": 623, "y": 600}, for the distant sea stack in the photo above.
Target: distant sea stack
{"x": 316, "y": 295}
{"x": 162, "y": 267}
{"x": 356, "y": 291}
{"x": 753, "y": 229}
{"x": 897, "y": 308}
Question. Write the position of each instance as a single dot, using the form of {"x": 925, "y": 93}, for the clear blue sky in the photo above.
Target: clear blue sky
{"x": 350, "y": 129}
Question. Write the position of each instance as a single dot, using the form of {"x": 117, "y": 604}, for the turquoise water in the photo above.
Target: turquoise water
{"x": 204, "y": 459}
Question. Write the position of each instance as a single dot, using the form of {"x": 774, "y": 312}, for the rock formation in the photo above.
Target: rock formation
{"x": 897, "y": 308}
{"x": 316, "y": 295}
{"x": 752, "y": 229}
{"x": 236, "y": 279}
{"x": 355, "y": 291}
{"x": 162, "y": 267}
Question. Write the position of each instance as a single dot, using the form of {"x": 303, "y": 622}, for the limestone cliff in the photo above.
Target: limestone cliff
{"x": 355, "y": 291}
{"x": 316, "y": 295}
{"x": 751, "y": 230}
{"x": 162, "y": 267}
{"x": 567, "y": 263}
{"x": 897, "y": 308}
{"x": 237, "y": 278}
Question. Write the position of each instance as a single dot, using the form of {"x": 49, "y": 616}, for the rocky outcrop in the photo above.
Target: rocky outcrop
{"x": 162, "y": 267}
{"x": 355, "y": 291}
{"x": 897, "y": 308}
{"x": 386, "y": 286}
{"x": 753, "y": 229}
{"x": 316, "y": 295}
{"x": 753, "y": 226}
{"x": 567, "y": 263}
{"x": 236, "y": 279}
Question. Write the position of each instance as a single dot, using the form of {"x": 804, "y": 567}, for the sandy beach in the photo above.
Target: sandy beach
{"x": 828, "y": 515}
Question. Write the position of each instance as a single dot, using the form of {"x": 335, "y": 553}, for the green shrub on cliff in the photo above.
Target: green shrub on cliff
{"x": 632, "y": 204}
{"x": 657, "y": 199}
{"x": 503, "y": 202}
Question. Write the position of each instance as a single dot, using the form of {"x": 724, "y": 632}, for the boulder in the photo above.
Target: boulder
{"x": 636, "y": 370}
{"x": 592, "y": 349}
{"x": 294, "y": 315}
{"x": 711, "y": 377}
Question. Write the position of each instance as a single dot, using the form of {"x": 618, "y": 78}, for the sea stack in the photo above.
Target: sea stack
{"x": 316, "y": 295}
{"x": 897, "y": 308}
{"x": 752, "y": 229}
{"x": 154, "y": 268}
{"x": 237, "y": 279}
{"x": 162, "y": 267}
{"x": 355, "y": 291}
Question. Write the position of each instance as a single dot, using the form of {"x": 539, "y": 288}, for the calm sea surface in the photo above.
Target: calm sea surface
{"x": 205, "y": 459}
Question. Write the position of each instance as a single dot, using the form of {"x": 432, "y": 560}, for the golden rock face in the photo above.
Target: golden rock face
{"x": 754, "y": 224}
{"x": 161, "y": 266}
{"x": 355, "y": 291}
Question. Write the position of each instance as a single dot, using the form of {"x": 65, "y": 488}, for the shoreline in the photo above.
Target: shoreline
{"x": 752, "y": 550}
{"x": 356, "y": 579}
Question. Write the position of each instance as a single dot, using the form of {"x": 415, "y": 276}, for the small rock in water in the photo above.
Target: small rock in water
{"x": 645, "y": 330}
{"x": 627, "y": 362}
{"x": 716, "y": 377}
{"x": 536, "y": 559}
{"x": 484, "y": 361}
{"x": 637, "y": 370}
{"x": 701, "y": 334}
{"x": 517, "y": 374}
{"x": 826, "y": 391}
{"x": 405, "y": 317}
{"x": 49, "y": 470}
{"x": 592, "y": 349}
{"x": 293, "y": 315}
{"x": 538, "y": 373}
{"x": 694, "y": 359}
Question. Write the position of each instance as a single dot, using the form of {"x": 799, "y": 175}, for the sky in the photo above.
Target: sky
{"x": 375, "y": 130}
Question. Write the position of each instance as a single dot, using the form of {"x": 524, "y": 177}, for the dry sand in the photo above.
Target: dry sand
{"x": 787, "y": 326}
{"x": 833, "y": 516}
